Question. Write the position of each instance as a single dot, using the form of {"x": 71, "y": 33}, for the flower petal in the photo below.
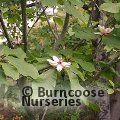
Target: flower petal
{"x": 66, "y": 64}
{"x": 3, "y": 41}
{"x": 56, "y": 59}
{"x": 102, "y": 29}
{"x": 53, "y": 63}
{"x": 98, "y": 33}
{"x": 59, "y": 67}
{"x": 109, "y": 30}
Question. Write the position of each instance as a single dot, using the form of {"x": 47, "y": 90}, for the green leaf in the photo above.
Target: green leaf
{"x": 23, "y": 67}
{"x": 94, "y": 106}
{"x": 10, "y": 71}
{"x": 73, "y": 80}
{"x": 77, "y": 72}
{"x": 14, "y": 52}
{"x": 70, "y": 31}
{"x": 11, "y": 20}
{"x": 58, "y": 20}
{"x": 110, "y": 91}
{"x": 66, "y": 52}
{"x": 80, "y": 74}
{"x": 2, "y": 77}
{"x": 71, "y": 9}
{"x": 50, "y": 2}
{"x": 48, "y": 79}
{"x": 83, "y": 33}
{"x": 110, "y": 7}
{"x": 77, "y": 3}
{"x": 117, "y": 17}
{"x": 87, "y": 66}
{"x": 102, "y": 85}
{"x": 109, "y": 74}
{"x": 112, "y": 83}
{"x": 41, "y": 60}
{"x": 112, "y": 41}
{"x": 73, "y": 117}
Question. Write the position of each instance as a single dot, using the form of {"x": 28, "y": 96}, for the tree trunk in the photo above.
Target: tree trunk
{"x": 115, "y": 100}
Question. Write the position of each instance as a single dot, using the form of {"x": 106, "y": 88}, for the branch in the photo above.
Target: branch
{"x": 104, "y": 69}
{"x": 24, "y": 23}
{"x": 63, "y": 33}
{"x": 5, "y": 31}
{"x": 55, "y": 36}
{"x": 44, "y": 69}
{"x": 36, "y": 21}
{"x": 65, "y": 26}
{"x": 117, "y": 55}
{"x": 45, "y": 111}
{"x": 79, "y": 44}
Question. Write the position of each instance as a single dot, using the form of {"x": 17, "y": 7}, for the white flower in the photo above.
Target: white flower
{"x": 3, "y": 41}
{"x": 58, "y": 63}
{"x": 103, "y": 30}
{"x": 51, "y": 11}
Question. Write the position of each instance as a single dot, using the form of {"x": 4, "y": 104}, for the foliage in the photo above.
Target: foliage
{"x": 77, "y": 45}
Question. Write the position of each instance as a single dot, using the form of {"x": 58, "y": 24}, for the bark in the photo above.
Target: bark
{"x": 5, "y": 31}
{"x": 115, "y": 100}
{"x": 105, "y": 106}
{"x": 24, "y": 24}
{"x": 63, "y": 33}
{"x": 22, "y": 82}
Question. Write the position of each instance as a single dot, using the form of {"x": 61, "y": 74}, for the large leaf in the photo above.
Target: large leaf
{"x": 83, "y": 33}
{"x": 14, "y": 52}
{"x": 73, "y": 80}
{"x": 112, "y": 41}
{"x": 49, "y": 2}
{"x": 71, "y": 9}
{"x": 23, "y": 67}
{"x": 74, "y": 69}
{"x": 10, "y": 71}
{"x": 110, "y": 7}
{"x": 87, "y": 66}
{"x": 94, "y": 106}
{"x": 48, "y": 79}
{"x": 75, "y": 85}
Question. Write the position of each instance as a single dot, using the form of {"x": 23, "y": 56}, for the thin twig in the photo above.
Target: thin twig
{"x": 55, "y": 26}
{"x": 45, "y": 111}
{"x": 35, "y": 22}
{"x": 79, "y": 44}
{"x": 50, "y": 27}
{"x": 109, "y": 65}
{"x": 24, "y": 23}
{"x": 5, "y": 31}
{"x": 44, "y": 69}
{"x": 104, "y": 69}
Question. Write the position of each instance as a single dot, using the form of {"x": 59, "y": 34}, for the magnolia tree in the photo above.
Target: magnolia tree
{"x": 58, "y": 44}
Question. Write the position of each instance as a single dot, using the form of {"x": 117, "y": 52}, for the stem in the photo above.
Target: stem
{"x": 45, "y": 111}
{"x": 110, "y": 63}
{"x": 44, "y": 69}
{"x": 79, "y": 44}
{"x": 63, "y": 33}
{"x": 50, "y": 27}
{"x": 65, "y": 26}
{"x": 5, "y": 31}
{"x": 35, "y": 22}
{"x": 24, "y": 23}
